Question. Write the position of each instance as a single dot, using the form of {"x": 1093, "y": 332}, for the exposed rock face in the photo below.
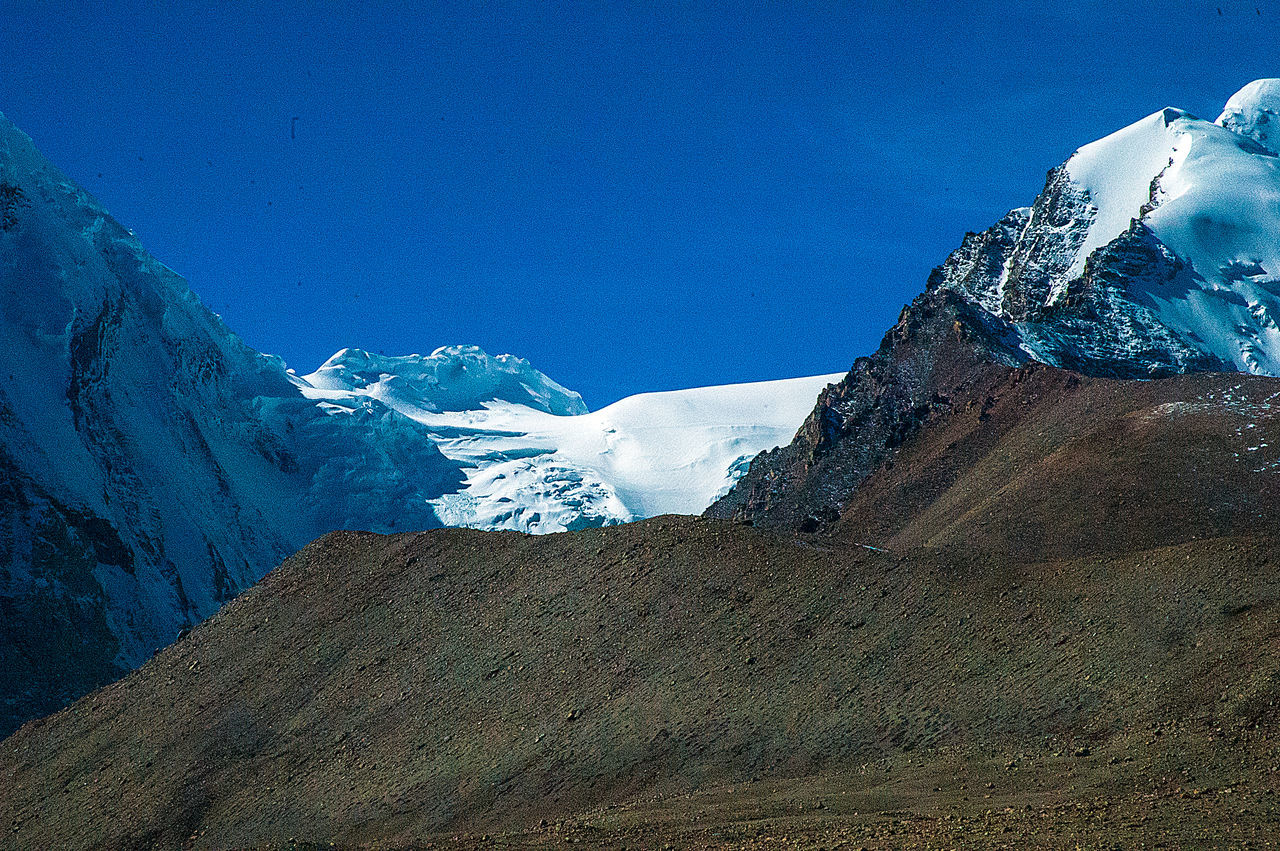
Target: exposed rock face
{"x": 992, "y": 301}
{"x": 1100, "y": 322}
{"x": 1035, "y": 257}
{"x": 941, "y": 345}
{"x": 1103, "y": 325}
{"x": 55, "y": 641}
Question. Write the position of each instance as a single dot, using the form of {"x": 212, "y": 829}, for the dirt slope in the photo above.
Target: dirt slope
{"x": 1037, "y": 463}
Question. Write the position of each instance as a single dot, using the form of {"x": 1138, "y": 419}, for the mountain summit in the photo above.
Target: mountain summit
{"x": 452, "y": 378}
{"x": 1254, "y": 111}
{"x": 1151, "y": 252}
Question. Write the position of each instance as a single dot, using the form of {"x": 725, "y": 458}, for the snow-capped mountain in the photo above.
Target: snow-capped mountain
{"x": 152, "y": 465}
{"x": 1150, "y": 252}
{"x": 1154, "y": 250}
{"x": 452, "y": 378}
{"x": 536, "y": 461}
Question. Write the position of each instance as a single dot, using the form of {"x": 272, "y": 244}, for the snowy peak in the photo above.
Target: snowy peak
{"x": 452, "y": 378}
{"x": 1151, "y": 252}
{"x": 1154, "y": 250}
{"x": 1254, "y": 111}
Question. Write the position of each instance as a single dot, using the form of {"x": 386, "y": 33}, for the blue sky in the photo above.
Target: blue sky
{"x": 633, "y": 196}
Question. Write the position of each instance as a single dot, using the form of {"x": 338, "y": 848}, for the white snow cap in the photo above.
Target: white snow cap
{"x": 1210, "y": 193}
{"x": 452, "y": 378}
{"x": 1254, "y": 111}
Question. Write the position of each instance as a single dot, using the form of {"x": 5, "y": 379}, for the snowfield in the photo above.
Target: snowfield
{"x": 1210, "y": 192}
{"x": 536, "y": 461}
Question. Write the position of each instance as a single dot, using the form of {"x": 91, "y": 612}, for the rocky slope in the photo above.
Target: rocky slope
{"x": 1085, "y": 649}
{"x": 1151, "y": 252}
{"x": 941, "y": 347}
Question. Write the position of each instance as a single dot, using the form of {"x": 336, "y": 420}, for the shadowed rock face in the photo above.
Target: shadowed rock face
{"x": 55, "y": 642}
{"x": 151, "y": 465}
{"x": 1099, "y": 322}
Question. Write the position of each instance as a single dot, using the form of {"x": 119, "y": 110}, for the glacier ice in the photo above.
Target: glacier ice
{"x": 1254, "y": 111}
{"x": 547, "y": 465}
{"x": 452, "y": 378}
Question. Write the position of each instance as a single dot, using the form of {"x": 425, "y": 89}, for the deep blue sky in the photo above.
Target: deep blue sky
{"x": 632, "y": 199}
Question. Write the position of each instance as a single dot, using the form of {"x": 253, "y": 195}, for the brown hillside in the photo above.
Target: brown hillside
{"x": 1037, "y": 463}
{"x": 1073, "y": 636}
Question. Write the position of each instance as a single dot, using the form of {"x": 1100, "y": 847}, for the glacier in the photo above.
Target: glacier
{"x": 536, "y": 461}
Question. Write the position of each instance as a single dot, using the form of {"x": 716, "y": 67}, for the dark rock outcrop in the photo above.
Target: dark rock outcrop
{"x": 941, "y": 346}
